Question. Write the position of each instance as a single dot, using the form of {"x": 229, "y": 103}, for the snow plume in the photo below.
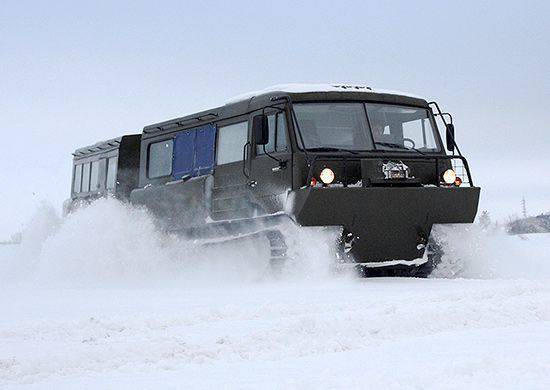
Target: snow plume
{"x": 311, "y": 251}
{"x": 474, "y": 253}
{"x": 111, "y": 243}
{"x": 18, "y": 261}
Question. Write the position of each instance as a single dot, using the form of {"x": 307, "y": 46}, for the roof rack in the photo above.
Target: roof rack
{"x": 178, "y": 122}
{"x": 98, "y": 147}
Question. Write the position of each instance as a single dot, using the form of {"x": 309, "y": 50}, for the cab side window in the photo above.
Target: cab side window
{"x": 281, "y": 133}
{"x": 231, "y": 140}
{"x": 270, "y": 146}
{"x": 277, "y": 135}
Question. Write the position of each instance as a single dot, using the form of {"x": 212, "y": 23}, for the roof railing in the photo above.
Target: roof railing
{"x": 179, "y": 122}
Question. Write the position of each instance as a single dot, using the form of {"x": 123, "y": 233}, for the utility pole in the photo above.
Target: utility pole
{"x": 523, "y": 208}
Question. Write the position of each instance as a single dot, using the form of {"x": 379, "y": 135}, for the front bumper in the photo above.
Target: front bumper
{"x": 387, "y": 223}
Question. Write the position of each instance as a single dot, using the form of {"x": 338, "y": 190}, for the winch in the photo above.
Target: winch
{"x": 395, "y": 170}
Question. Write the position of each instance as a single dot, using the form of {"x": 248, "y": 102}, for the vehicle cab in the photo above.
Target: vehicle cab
{"x": 374, "y": 163}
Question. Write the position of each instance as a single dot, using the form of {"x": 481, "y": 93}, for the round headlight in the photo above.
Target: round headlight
{"x": 327, "y": 176}
{"x": 449, "y": 176}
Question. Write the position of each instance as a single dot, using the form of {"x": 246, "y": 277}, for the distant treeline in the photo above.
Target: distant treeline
{"x": 538, "y": 224}
{"x": 14, "y": 239}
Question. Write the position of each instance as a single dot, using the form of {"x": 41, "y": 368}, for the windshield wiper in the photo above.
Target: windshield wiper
{"x": 397, "y": 146}
{"x": 331, "y": 149}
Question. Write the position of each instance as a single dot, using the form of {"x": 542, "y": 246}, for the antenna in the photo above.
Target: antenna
{"x": 523, "y": 207}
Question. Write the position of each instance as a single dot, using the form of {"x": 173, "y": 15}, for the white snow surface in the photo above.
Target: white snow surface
{"x": 102, "y": 300}
{"x": 303, "y": 88}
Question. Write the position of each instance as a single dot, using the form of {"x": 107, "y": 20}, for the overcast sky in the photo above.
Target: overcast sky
{"x": 73, "y": 73}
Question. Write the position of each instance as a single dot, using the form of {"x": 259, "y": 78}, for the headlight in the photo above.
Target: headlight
{"x": 327, "y": 176}
{"x": 449, "y": 176}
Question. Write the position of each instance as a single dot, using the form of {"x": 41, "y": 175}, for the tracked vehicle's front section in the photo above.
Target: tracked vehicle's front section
{"x": 375, "y": 164}
{"x": 383, "y": 225}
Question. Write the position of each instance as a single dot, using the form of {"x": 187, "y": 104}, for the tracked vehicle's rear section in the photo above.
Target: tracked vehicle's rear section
{"x": 370, "y": 162}
{"x": 106, "y": 168}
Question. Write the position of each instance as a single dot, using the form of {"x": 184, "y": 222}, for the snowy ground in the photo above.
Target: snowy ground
{"x": 98, "y": 308}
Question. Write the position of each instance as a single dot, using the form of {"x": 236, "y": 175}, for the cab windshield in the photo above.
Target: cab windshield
{"x": 365, "y": 127}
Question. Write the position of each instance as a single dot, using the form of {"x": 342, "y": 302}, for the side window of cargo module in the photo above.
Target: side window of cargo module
{"x": 94, "y": 176}
{"x": 77, "y": 178}
{"x": 277, "y": 135}
{"x": 111, "y": 172}
{"x": 86, "y": 177}
{"x": 160, "y": 159}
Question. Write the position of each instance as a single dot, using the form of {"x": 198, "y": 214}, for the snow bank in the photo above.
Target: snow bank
{"x": 102, "y": 321}
{"x": 471, "y": 252}
{"x": 395, "y": 333}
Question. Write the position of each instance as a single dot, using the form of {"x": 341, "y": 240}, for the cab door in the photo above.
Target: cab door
{"x": 230, "y": 187}
{"x": 271, "y": 167}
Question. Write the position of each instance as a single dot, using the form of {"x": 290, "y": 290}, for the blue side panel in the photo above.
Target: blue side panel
{"x": 184, "y": 154}
{"x": 204, "y": 150}
{"x": 194, "y": 152}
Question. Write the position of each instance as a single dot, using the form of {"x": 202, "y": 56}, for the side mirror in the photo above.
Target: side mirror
{"x": 260, "y": 130}
{"x": 450, "y": 137}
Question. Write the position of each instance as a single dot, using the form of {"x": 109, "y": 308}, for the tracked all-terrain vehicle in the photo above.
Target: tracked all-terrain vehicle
{"x": 368, "y": 161}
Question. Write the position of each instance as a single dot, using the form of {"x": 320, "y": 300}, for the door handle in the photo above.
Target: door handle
{"x": 252, "y": 183}
{"x": 281, "y": 166}
{"x": 246, "y": 154}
